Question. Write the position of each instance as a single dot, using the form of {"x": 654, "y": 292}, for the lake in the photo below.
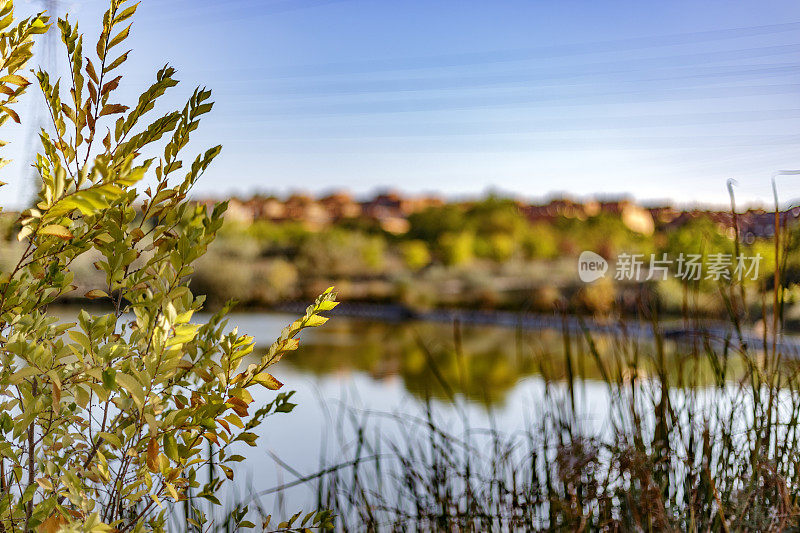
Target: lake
{"x": 356, "y": 373}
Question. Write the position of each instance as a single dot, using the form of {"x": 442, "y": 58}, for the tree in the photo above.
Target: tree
{"x": 105, "y": 420}
{"x": 457, "y": 249}
{"x": 431, "y": 223}
{"x": 540, "y": 241}
{"x": 415, "y": 254}
{"x": 493, "y": 216}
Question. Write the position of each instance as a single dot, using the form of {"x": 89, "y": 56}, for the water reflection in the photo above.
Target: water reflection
{"x": 483, "y": 364}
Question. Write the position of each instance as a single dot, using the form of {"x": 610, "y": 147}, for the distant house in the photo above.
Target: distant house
{"x": 385, "y": 205}
{"x": 305, "y": 209}
{"x": 634, "y": 216}
{"x": 240, "y": 211}
{"x": 557, "y": 207}
{"x": 391, "y": 210}
{"x": 340, "y": 205}
{"x": 395, "y": 225}
{"x": 663, "y": 214}
{"x": 560, "y": 207}
{"x": 415, "y": 204}
{"x": 638, "y": 219}
{"x": 755, "y": 223}
{"x": 722, "y": 219}
{"x": 271, "y": 208}
{"x": 616, "y": 206}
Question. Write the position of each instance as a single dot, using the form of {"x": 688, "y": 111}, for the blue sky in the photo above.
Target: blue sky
{"x": 661, "y": 100}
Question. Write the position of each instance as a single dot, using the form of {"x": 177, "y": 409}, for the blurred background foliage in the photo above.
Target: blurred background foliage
{"x": 479, "y": 255}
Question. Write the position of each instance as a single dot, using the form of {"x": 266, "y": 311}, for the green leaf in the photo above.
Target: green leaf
{"x": 109, "y": 378}
{"x": 134, "y": 388}
{"x": 118, "y": 61}
{"x": 118, "y": 38}
{"x": 171, "y": 447}
{"x": 80, "y": 338}
{"x": 110, "y": 438}
{"x": 22, "y": 374}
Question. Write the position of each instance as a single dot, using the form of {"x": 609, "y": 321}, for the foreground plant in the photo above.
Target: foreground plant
{"x": 107, "y": 422}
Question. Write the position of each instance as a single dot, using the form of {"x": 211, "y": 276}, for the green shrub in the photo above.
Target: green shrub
{"x": 415, "y": 254}
{"x": 540, "y": 242}
{"x": 341, "y": 253}
{"x": 457, "y": 249}
{"x": 106, "y": 420}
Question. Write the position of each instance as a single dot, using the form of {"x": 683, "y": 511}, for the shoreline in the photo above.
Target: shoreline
{"x": 716, "y": 331}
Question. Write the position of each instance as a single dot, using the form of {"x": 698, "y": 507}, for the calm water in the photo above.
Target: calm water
{"x": 349, "y": 370}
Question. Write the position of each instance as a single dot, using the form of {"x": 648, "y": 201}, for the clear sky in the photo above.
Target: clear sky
{"x": 662, "y": 100}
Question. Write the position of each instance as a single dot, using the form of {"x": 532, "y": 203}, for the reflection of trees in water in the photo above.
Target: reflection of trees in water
{"x": 489, "y": 363}
{"x": 487, "y": 368}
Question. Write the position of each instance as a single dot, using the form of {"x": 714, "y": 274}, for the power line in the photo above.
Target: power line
{"x": 542, "y": 125}
{"x": 46, "y": 52}
{"x": 459, "y": 103}
{"x": 532, "y": 53}
{"x": 573, "y": 79}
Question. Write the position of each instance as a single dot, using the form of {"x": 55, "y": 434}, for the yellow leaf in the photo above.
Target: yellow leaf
{"x": 90, "y": 70}
{"x": 11, "y": 113}
{"x": 95, "y": 294}
{"x": 15, "y": 79}
{"x": 315, "y": 320}
{"x": 118, "y": 61}
{"x": 235, "y": 420}
{"x": 290, "y": 344}
{"x": 118, "y": 38}
{"x": 268, "y": 380}
{"x": 327, "y": 305}
{"x": 56, "y": 230}
{"x": 24, "y": 232}
{"x": 173, "y": 492}
{"x": 155, "y": 499}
